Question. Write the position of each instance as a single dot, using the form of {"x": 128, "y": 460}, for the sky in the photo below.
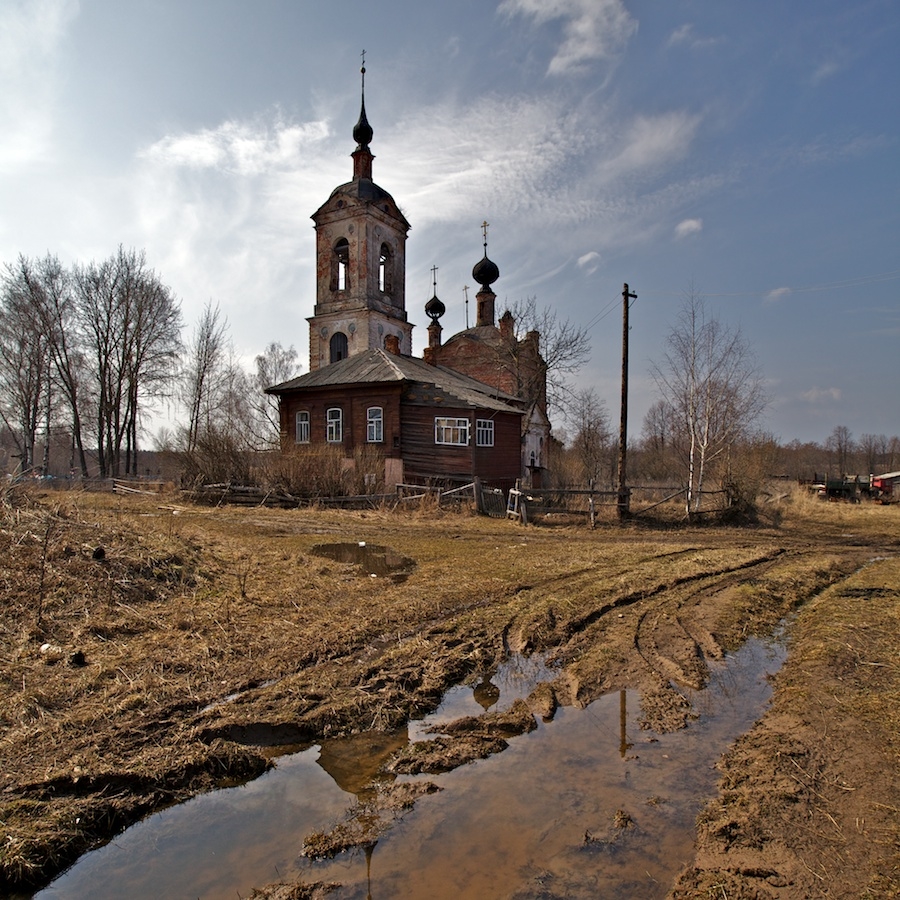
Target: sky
{"x": 746, "y": 152}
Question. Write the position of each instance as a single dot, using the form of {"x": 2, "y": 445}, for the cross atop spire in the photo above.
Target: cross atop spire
{"x": 484, "y": 230}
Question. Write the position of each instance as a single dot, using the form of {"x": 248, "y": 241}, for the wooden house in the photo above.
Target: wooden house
{"x": 427, "y": 422}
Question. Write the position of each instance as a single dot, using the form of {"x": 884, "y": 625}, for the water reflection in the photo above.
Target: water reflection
{"x": 371, "y": 559}
{"x": 542, "y": 818}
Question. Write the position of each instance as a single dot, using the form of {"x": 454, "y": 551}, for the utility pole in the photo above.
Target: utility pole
{"x": 623, "y": 421}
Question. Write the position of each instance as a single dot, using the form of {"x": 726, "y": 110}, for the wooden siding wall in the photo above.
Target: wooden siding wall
{"x": 424, "y": 459}
{"x": 355, "y": 405}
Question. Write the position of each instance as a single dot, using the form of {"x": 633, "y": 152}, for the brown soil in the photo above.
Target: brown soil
{"x": 152, "y": 650}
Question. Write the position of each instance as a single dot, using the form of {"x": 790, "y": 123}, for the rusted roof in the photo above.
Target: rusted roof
{"x": 381, "y": 367}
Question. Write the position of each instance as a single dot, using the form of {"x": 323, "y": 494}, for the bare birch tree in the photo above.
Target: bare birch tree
{"x": 709, "y": 379}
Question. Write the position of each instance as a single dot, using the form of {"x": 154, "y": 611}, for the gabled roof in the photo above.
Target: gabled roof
{"x": 381, "y": 367}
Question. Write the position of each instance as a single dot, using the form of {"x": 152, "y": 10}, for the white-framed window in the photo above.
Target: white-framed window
{"x": 374, "y": 425}
{"x": 451, "y": 431}
{"x": 484, "y": 432}
{"x": 302, "y": 434}
{"x": 334, "y": 425}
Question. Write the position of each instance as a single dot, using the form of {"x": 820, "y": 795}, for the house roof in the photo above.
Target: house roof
{"x": 381, "y": 367}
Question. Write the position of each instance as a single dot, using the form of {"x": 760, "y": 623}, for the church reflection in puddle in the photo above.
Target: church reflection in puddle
{"x": 586, "y": 805}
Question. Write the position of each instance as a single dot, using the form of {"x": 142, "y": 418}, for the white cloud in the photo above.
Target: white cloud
{"x": 778, "y": 294}
{"x": 822, "y": 395}
{"x": 243, "y": 148}
{"x": 593, "y": 30}
{"x": 30, "y": 34}
{"x": 590, "y": 262}
{"x": 824, "y": 72}
{"x": 684, "y": 35}
{"x": 651, "y": 141}
{"x": 688, "y": 227}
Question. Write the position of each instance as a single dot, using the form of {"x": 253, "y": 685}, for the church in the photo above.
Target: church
{"x": 474, "y": 406}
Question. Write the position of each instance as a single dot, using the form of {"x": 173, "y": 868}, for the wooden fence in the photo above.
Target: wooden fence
{"x": 526, "y": 505}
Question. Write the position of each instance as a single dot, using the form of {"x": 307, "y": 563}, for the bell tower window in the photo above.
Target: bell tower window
{"x": 338, "y": 347}
{"x": 341, "y": 266}
{"x": 385, "y": 270}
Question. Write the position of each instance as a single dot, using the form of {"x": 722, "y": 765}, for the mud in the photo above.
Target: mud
{"x": 223, "y": 634}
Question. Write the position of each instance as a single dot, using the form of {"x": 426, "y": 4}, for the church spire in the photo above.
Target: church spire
{"x": 362, "y": 134}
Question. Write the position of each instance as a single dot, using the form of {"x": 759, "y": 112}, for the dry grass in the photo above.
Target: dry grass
{"x": 126, "y": 674}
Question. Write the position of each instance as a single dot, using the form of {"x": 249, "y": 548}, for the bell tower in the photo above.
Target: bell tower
{"x": 360, "y": 263}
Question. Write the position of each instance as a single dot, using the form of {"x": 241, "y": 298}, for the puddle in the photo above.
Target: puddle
{"x": 535, "y": 820}
{"x": 371, "y": 559}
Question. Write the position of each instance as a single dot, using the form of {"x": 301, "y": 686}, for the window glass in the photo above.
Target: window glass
{"x": 484, "y": 432}
{"x": 374, "y": 425}
{"x": 334, "y": 422}
{"x": 451, "y": 431}
{"x": 302, "y": 436}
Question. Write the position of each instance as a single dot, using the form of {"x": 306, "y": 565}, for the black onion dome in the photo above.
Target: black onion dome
{"x": 485, "y": 272}
{"x": 362, "y": 130}
{"x": 434, "y": 308}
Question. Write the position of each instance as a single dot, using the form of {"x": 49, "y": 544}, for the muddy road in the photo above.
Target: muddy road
{"x": 153, "y": 651}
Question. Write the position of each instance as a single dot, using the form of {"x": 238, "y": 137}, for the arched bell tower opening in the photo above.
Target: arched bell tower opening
{"x": 361, "y": 263}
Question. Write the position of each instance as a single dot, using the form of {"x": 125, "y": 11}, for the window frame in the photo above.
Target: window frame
{"x": 375, "y": 425}
{"x": 301, "y": 425}
{"x": 484, "y": 432}
{"x": 446, "y": 428}
{"x": 334, "y": 425}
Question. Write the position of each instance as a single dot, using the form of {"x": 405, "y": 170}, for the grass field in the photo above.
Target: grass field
{"x": 151, "y": 648}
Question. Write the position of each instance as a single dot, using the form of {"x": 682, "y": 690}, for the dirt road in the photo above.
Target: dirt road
{"x": 151, "y": 649}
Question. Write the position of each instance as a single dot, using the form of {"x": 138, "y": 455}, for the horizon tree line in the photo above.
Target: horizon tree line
{"x": 89, "y": 350}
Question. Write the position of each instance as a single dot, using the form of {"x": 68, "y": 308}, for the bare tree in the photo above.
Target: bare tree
{"x": 131, "y": 327}
{"x": 563, "y": 347}
{"x": 841, "y": 446}
{"x": 204, "y": 362}
{"x": 874, "y": 448}
{"x": 592, "y": 444}
{"x": 274, "y": 366}
{"x": 49, "y": 290}
{"x": 25, "y": 360}
{"x": 658, "y": 441}
{"x": 708, "y": 378}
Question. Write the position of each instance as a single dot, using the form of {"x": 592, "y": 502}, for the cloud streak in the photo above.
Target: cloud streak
{"x": 593, "y": 30}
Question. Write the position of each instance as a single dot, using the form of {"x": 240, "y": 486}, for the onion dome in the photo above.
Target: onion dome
{"x": 434, "y": 308}
{"x": 485, "y": 272}
{"x": 362, "y": 130}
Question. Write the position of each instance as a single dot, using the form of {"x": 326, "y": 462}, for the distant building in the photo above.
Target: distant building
{"x": 474, "y": 406}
